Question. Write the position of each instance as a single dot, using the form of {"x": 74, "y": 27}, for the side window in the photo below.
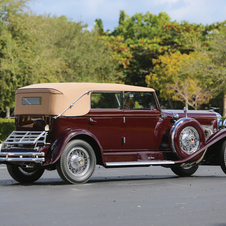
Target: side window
{"x": 104, "y": 100}
{"x": 139, "y": 101}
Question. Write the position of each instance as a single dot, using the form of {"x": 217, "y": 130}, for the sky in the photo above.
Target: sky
{"x": 192, "y": 11}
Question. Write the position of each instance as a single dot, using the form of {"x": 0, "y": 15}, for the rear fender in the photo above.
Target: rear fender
{"x": 60, "y": 143}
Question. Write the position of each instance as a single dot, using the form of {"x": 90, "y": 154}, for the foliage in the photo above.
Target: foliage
{"x": 6, "y": 127}
{"x": 213, "y": 70}
{"x": 98, "y": 26}
{"x": 173, "y": 81}
{"x": 86, "y": 57}
{"x": 36, "y": 49}
{"x": 141, "y": 38}
{"x": 24, "y": 57}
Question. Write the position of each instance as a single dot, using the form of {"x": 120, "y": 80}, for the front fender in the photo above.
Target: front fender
{"x": 211, "y": 141}
{"x": 60, "y": 143}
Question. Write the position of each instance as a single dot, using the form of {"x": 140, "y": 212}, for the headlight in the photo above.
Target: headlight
{"x": 219, "y": 121}
{"x": 224, "y": 123}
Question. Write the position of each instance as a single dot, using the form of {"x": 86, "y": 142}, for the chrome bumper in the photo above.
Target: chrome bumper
{"x": 12, "y": 152}
{"x": 37, "y": 157}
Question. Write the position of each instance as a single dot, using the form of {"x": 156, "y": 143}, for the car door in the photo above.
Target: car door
{"x": 106, "y": 120}
{"x": 141, "y": 116}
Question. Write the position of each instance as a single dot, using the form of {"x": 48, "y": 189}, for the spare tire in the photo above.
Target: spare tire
{"x": 187, "y": 137}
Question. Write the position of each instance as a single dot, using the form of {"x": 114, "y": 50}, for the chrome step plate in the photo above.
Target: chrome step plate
{"x": 140, "y": 163}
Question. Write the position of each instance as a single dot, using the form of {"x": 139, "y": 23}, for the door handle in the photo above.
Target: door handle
{"x": 92, "y": 121}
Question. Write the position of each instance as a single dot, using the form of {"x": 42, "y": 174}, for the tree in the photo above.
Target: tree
{"x": 23, "y": 58}
{"x": 141, "y": 38}
{"x": 86, "y": 57}
{"x": 35, "y": 49}
{"x": 135, "y": 43}
{"x": 213, "y": 69}
{"x": 98, "y": 26}
{"x": 170, "y": 77}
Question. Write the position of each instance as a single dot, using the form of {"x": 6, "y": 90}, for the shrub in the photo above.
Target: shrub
{"x": 6, "y": 127}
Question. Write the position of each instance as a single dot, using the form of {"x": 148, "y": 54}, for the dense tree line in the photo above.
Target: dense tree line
{"x": 35, "y": 49}
{"x": 182, "y": 61}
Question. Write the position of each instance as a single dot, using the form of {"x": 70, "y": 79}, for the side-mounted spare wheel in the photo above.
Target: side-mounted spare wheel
{"x": 77, "y": 162}
{"x": 23, "y": 174}
{"x": 187, "y": 137}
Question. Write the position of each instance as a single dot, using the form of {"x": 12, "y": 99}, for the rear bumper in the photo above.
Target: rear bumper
{"x": 35, "y": 157}
{"x": 23, "y": 155}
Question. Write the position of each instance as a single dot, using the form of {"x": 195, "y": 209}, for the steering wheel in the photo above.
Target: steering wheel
{"x": 125, "y": 105}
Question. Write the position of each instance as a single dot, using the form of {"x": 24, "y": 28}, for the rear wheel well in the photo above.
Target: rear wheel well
{"x": 93, "y": 144}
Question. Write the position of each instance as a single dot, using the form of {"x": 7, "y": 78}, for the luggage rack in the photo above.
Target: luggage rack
{"x": 26, "y": 138}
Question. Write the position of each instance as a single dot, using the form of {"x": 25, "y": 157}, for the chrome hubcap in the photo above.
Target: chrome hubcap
{"x": 189, "y": 140}
{"x": 78, "y": 161}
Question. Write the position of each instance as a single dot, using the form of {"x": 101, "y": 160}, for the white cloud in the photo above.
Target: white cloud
{"x": 202, "y": 11}
{"x": 193, "y": 11}
{"x": 166, "y": 1}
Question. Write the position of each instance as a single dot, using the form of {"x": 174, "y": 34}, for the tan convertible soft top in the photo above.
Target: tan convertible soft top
{"x": 56, "y": 97}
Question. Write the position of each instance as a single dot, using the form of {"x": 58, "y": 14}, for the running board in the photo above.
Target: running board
{"x": 141, "y": 163}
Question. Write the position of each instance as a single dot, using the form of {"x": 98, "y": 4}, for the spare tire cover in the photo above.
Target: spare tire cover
{"x": 187, "y": 137}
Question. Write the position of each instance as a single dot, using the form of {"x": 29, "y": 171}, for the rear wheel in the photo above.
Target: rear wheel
{"x": 25, "y": 175}
{"x": 223, "y": 157}
{"x": 184, "y": 171}
{"x": 77, "y": 162}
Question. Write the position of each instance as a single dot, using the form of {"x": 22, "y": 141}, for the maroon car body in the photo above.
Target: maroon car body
{"x": 72, "y": 127}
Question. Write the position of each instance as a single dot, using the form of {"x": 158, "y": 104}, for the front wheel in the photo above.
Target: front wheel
{"x": 184, "y": 171}
{"x": 223, "y": 157}
{"x": 77, "y": 162}
{"x": 23, "y": 174}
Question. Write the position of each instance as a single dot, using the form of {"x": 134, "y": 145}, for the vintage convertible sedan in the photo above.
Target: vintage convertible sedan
{"x": 72, "y": 127}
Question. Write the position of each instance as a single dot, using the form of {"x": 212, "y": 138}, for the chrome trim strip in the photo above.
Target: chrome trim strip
{"x": 141, "y": 163}
{"x": 55, "y": 117}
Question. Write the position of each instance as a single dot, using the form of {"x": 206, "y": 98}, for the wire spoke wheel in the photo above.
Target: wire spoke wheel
{"x": 189, "y": 140}
{"x": 77, "y": 162}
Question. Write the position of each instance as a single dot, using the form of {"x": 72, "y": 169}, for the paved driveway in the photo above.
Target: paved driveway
{"x": 129, "y": 196}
